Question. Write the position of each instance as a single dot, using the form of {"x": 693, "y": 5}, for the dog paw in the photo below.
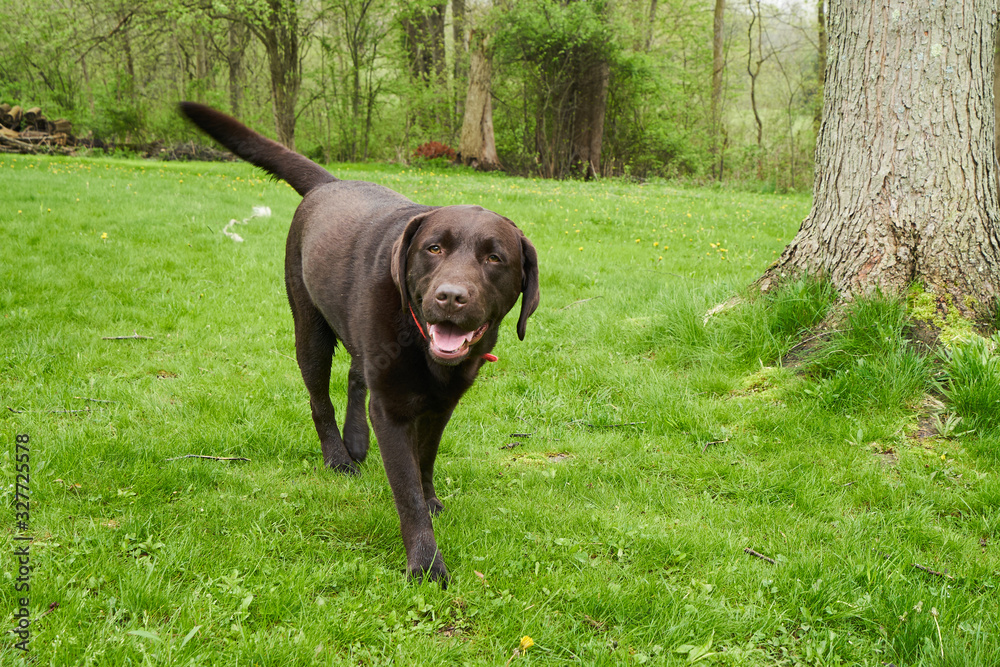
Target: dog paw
{"x": 436, "y": 572}
{"x": 346, "y": 467}
{"x": 335, "y": 456}
{"x": 434, "y": 506}
{"x": 357, "y": 452}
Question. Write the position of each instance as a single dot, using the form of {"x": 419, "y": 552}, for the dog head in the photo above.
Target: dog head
{"x": 461, "y": 269}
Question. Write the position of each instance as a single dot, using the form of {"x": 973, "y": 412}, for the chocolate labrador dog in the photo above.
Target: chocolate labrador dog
{"x": 414, "y": 293}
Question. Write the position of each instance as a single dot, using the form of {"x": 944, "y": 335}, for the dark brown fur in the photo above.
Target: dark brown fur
{"x": 359, "y": 256}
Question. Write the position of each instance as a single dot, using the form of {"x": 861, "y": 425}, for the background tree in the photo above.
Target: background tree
{"x": 353, "y": 37}
{"x": 820, "y": 58}
{"x": 718, "y": 68}
{"x": 562, "y": 52}
{"x": 460, "y": 62}
{"x": 906, "y": 187}
{"x": 477, "y": 145}
{"x": 753, "y": 71}
{"x": 281, "y": 27}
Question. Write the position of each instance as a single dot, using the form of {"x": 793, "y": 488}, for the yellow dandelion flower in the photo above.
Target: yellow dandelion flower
{"x": 526, "y": 643}
{"x": 104, "y": 235}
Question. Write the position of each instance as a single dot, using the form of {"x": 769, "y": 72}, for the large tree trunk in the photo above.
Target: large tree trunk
{"x": 905, "y": 186}
{"x": 996, "y": 106}
{"x": 477, "y": 146}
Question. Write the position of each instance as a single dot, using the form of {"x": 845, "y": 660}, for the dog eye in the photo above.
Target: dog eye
{"x": 493, "y": 259}
{"x": 434, "y": 249}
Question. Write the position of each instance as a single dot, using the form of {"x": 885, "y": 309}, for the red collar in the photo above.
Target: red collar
{"x": 487, "y": 356}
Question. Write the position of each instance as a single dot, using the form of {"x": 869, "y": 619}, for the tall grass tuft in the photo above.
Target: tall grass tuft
{"x": 764, "y": 329}
{"x": 970, "y": 380}
{"x": 869, "y": 362}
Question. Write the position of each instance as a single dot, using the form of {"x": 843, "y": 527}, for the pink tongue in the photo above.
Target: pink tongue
{"x": 448, "y": 337}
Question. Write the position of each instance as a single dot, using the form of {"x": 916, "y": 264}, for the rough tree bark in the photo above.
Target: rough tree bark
{"x": 996, "y": 105}
{"x": 477, "y": 146}
{"x": 905, "y": 187}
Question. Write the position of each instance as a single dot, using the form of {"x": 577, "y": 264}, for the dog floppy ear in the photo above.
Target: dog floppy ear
{"x": 529, "y": 284}
{"x": 400, "y": 249}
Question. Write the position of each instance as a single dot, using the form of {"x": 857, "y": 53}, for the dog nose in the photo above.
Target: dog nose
{"x": 451, "y": 296}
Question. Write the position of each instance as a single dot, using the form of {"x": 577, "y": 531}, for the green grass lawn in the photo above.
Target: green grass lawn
{"x": 601, "y": 481}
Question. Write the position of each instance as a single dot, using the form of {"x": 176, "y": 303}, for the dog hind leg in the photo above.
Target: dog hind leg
{"x": 314, "y": 345}
{"x": 356, "y": 433}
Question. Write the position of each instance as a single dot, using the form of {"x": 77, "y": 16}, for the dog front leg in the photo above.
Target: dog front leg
{"x": 398, "y": 444}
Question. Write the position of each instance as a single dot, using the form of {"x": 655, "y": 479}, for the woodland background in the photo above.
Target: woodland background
{"x": 374, "y": 80}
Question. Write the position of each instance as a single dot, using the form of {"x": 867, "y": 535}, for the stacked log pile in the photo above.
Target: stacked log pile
{"x": 29, "y": 131}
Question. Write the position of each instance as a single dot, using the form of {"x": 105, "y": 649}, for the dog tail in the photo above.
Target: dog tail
{"x": 299, "y": 171}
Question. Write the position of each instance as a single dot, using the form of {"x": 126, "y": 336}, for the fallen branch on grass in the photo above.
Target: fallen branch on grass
{"x": 212, "y": 458}
{"x": 134, "y": 336}
{"x": 760, "y": 556}
{"x": 713, "y": 442}
{"x": 812, "y": 338}
{"x": 52, "y": 607}
{"x": 934, "y": 572}
{"x": 724, "y": 306}
{"x": 95, "y": 400}
{"x": 580, "y": 301}
{"x": 580, "y": 421}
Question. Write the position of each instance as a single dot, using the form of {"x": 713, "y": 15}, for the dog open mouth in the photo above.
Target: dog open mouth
{"x": 449, "y": 341}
